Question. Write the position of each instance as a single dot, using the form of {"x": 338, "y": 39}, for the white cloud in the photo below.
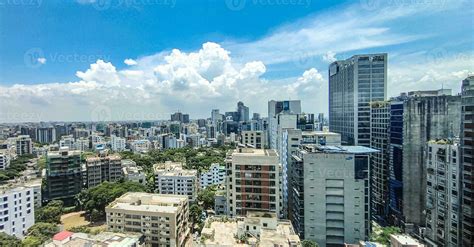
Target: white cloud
{"x": 329, "y": 57}
{"x": 41, "y": 60}
{"x": 130, "y": 62}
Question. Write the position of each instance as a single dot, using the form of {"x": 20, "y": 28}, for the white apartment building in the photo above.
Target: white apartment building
{"x": 24, "y": 145}
{"x": 214, "y": 176}
{"x": 256, "y": 138}
{"x": 82, "y": 144}
{"x": 253, "y": 181}
{"x": 171, "y": 178}
{"x": 443, "y": 193}
{"x": 141, "y": 146}
{"x": 117, "y": 143}
{"x": 132, "y": 172}
{"x": 162, "y": 219}
{"x": 67, "y": 141}
{"x": 4, "y": 159}
{"x": 330, "y": 194}
{"x": 17, "y": 211}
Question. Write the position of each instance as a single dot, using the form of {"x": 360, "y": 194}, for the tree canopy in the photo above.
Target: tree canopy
{"x": 94, "y": 200}
{"x": 51, "y": 213}
{"x": 8, "y": 240}
{"x": 309, "y": 243}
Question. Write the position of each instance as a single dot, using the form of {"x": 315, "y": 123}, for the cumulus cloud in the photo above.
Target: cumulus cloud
{"x": 130, "y": 62}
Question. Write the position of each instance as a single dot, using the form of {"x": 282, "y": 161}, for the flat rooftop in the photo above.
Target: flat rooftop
{"x": 149, "y": 202}
{"x": 338, "y": 149}
{"x": 254, "y": 152}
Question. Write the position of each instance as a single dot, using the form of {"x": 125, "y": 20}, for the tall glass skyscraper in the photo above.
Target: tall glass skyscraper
{"x": 353, "y": 84}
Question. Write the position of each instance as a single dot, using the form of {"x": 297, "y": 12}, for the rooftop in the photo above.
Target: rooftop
{"x": 338, "y": 149}
{"x": 149, "y": 202}
{"x": 245, "y": 151}
{"x": 104, "y": 239}
{"x": 173, "y": 169}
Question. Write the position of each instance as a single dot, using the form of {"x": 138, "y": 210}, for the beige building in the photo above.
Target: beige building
{"x": 103, "y": 239}
{"x": 101, "y": 169}
{"x": 256, "y": 229}
{"x": 253, "y": 181}
{"x": 171, "y": 178}
{"x": 256, "y": 138}
{"x": 162, "y": 219}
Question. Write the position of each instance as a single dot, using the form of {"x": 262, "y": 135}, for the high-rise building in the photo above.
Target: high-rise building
{"x": 253, "y": 181}
{"x": 162, "y": 219}
{"x": 255, "y": 138}
{"x": 244, "y": 115}
{"x": 101, "y": 169}
{"x": 24, "y": 145}
{"x": 117, "y": 143}
{"x": 443, "y": 193}
{"x": 18, "y": 210}
{"x": 46, "y": 134}
{"x": 4, "y": 159}
{"x": 185, "y": 118}
{"x": 467, "y": 145}
{"x": 414, "y": 120}
{"x": 63, "y": 175}
{"x": 171, "y": 178}
{"x": 67, "y": 141}
{"x": 274, "y": 108}
{"x": 177, "y": 116}
{"x": 353, "y": 84}
{"x": 330, "y": 193}
{"x": 379, "y": 128}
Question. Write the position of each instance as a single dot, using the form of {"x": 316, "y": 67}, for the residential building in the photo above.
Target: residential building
{"x": 103, "y": 239}
{"x": 274, "y": 108}
{"x": 82, "y": 144}
{"x": 253, "y": 181}
{"x": 141, "y": 146}
{"x": 379, "y": 161}
{"x": 117, "y": 144}
{"x": 101, "y": 169}
{"x": 353, "y": 84}
{"x": 214, "y": 176}
{"x": 467, "y": 145}
{"x": 46, "y": 134}
{"x": 443, "y": 193}
{"x": 132, "y": 172}
{"x": 24, "y": 145}
{"x": 171, "y": 178}
{"x": 162, "y": 219}
{"x": 403, "y": 240}
{"x": 220, "y": 202}
{"x": 17, "y": 212}
{"x": 414, "y": 120}
{"x": 258, "y": 228}
{"x": 255, "y": 138}
{"x": 63, "y": 175}
{"x": 4, "y": 159}
{"x": 330, "y": 193}
{"x": 67, "y": 141}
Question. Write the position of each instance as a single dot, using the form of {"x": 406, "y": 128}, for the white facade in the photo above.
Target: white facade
{"x": 117, "y": 144}
{"x": 67, "y": 141}
{"x": 4, "y": 159}
{"x": 141, "y": 146}
{"x": 214, "y": 176}
{"x": 82, "y": 144}
{"x": 24, "y": 145}
{"x": 17, "y": 211}
{"x": 132, "y": 172}
{"x": 171, "y": 178}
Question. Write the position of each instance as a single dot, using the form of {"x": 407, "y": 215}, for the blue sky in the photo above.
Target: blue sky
{"x": 61, "y": 55}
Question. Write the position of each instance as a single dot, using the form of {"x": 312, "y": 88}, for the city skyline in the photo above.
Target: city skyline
{"x": 52, "y": 78}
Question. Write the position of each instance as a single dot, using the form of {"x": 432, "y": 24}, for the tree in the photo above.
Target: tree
{"x": 42, "y": 232}
{"x": 94, "y": 200}
{"x": 7, "y": 240}
{"x": 382, "y": 235}
{"x": 309, "y": 243}
{"x": 31, "y": 241}
{"x": 206, "y": 196}
{"x": 195, "y": 213}
{"x": 51, "y": 213}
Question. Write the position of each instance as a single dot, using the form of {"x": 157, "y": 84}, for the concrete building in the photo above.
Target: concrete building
{"x": 353, "y": 84}
{"x": 46, "y": 134}
{"x": 402, "y": 240}
{"x": 274, "y": 108}
{"x": 414, "y": 120}
{"x": 162, "y": 219}
{"x": 132, "y": 172}
{"x": 63, "y": 175}
{"x": 467, "y": 145}
{"x": 4, "y": 159}
{"x": 101, "y": 169}
{"x": 103, "y": 239}
{"x": 254, "y": 138}
{"x": 24, "y": 145}
{"x": 330, "y": 193}
{"x": 379, "y": 161}
{"x": 258, "y": 228}
{"x": 443, "y": 193}
{"x": 140, "y": 146}
{"x": 17, "y": 212}
{"x": 253, "y": 181}
{"x": 117, "y": 144}
{"x": 214, "y": 176}
{"x": 171, "y": 178}
{"x": 220, "y": 203}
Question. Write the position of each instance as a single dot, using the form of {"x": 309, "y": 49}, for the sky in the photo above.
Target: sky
{"x": 108, "y": 60}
